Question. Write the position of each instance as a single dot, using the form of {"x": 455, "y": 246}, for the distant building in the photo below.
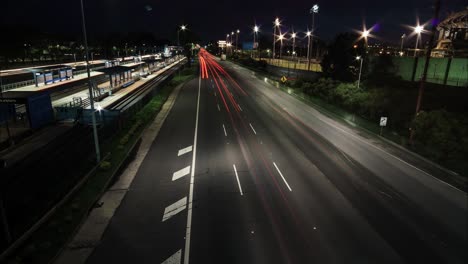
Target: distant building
{"x": 453, "y": 36}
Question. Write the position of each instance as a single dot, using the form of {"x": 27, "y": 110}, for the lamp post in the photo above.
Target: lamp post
{"x": 314, "y": 10}
{"x": 227, "y": 41}
{"x": 359, "y": 58}
{"x": 90, "y": 88}
{"x": 402, "y": 40}
{"x": 308, "y": 34}
{"x": 418, "y": 29}
{"x": 276, "y": 25}
{"x": 255, "y": 36}
{"x": 237, "y": 38}
{"x": 293, "y": 35}
{"x": 280, "y": 38}
{"x": 183, "y": 27}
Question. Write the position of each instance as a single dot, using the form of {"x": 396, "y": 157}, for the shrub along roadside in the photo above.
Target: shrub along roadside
{"x": 48, "y": 240}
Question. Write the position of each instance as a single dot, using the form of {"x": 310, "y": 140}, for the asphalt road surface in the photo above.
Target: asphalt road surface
{"x": 242, "y": 172}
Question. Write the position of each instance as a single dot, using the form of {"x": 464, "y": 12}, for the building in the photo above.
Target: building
{"x": 453, "y": 36}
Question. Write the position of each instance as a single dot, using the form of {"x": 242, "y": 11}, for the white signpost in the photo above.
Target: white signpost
{"x": 383, "y": 122}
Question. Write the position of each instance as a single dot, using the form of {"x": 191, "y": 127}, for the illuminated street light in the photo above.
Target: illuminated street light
{"x": 418, "y": 29}
{"x": 365, "y": 34}
{"x": 308, "y": 34}
{"x": 314, "y": 10}
{"x": 277, "y": 25}
{"x": 277, "y": 22}
{"x": 255, "y": 29}
{"x": 183, "y": 28}
{"x": 280, "y": 38}
{"x": 237, "y": 38}
{"x": 359, "y": 58}
{"x": 401, "y": 48}
{"x": 293, "y": 35}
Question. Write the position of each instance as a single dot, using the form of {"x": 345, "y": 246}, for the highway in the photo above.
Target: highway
{"x": 242, "y": 172}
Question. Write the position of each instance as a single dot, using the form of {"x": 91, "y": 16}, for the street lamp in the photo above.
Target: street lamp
{"x": 183, "y": 28}
{"x": 402, "y": 39}
{"x": 280, "y": 38}
{"x": 277, "y": 25}
{"x": 418, "y": 29}
{"x": 293, "y": 35}
{"x": 237, "y": 38}
{"x": 359, "y": 58}
{"x": 255, "y": 29}
{"x": 314, "y": 10}
{"x": 90, "y": 88}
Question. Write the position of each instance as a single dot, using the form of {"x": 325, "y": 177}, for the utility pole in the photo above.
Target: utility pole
{"x": 313, "y": 10}
{"x": 90, "y": 87}
{"x": 434, "y": 22}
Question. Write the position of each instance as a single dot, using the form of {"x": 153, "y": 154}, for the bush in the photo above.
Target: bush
{"x": 445, "y": 134}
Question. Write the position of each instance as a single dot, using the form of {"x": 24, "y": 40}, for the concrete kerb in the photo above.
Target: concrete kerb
{"x": 90, "y": 232}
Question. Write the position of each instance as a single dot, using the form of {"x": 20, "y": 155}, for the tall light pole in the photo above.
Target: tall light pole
{"x": 402, "y": 40}
{"x": 237, "y": 38}
{"x": 359, "y": 58}
{"x": 434, "y": 24}
{"x": 280, "y": 38}
{"x": 183, "y": 27}
{"x": 255, "y": 29}
{"x": 314, "y": 10}
{"x": 308, "y": 34}
{"x": 293, "y": 35}
{"x": 227, "y": 41}
{"x": 90, "y": 87}
{"x": 418, "y": 29}
{"x": 277, "y": 24}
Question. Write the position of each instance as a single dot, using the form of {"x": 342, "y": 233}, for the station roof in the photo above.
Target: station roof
{"x": 49, "y": 68}
{"x": 114, "y": 69}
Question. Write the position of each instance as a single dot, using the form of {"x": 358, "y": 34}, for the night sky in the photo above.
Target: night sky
{"x": 212, "y": 19}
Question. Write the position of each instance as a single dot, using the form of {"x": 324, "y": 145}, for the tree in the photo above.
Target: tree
{"x": 339, "y": 61}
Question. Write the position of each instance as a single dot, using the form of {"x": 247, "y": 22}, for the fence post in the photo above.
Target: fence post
{"x": 447, "y": 70}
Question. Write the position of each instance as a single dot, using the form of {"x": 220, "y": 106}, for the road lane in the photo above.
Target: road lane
{"x": 140, "y": 231}
{"x": 275, "y": 181}
{"x": 450, "y": 210}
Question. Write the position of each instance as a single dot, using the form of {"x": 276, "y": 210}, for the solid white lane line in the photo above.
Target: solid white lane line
{"x": 174, "y": 208}
{"x": 237, "y": 177}
{"x": 174, "y": 259}
{"x": 240, "y": 107}
{"x": 253, "y": 129}
{"x": 184, "y": 151}
{"x": 219, "y": 109}
{"x": 188, "y": 230}
{"x": 180, "y": 173}
{"x": 281, "y": 174}
{"x": 225, "y": 134}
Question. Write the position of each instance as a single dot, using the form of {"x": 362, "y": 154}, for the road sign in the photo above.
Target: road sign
{"x": 383, "y": 121}
{"x": 284, "y": 79}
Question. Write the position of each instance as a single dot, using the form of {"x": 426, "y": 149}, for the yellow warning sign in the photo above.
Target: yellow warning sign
{"x": 284, "y": 79}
